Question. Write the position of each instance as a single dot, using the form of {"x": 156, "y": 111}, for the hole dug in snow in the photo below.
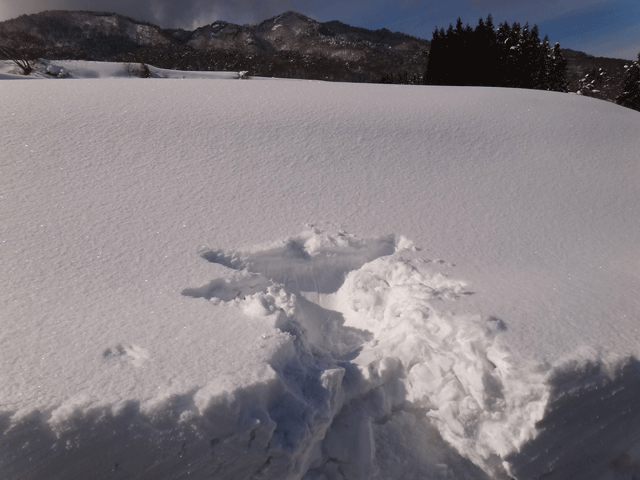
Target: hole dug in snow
{"x": 311, "y": 262}
{"x": 361, "y": 308}
{"x": 374, "y": 355}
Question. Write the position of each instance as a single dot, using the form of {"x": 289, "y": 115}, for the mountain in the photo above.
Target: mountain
{"x": 88, "y": 35}
{"x": 290, "y": 45}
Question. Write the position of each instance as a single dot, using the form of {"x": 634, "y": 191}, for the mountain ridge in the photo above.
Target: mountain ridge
{"x": 289, "y": 45}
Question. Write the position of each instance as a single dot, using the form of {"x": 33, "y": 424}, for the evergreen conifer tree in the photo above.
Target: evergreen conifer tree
{"x": 558, "y": 70}
{"x": 595, "y": 82}
{"x": 484, "y": 55}
{"x": 545, "y": 60}
{"x": 437, "y": 62}
{"x": 630, "y": 96}
{"x": 536, "y": 52}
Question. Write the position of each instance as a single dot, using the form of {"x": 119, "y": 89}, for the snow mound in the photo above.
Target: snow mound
{"x": 147, "y": 334}
{"x": 81, "y": 69}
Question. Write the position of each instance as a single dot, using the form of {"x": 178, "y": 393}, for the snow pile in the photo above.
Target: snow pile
{"x": 56, "y": 71}
{"x": 461, "y": 304}
{"x": 472, "y": 387}
{"x": 449, "y": 364}
{"x": 81, "y": 69}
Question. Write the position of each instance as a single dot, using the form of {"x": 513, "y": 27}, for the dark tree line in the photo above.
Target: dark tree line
{"x": 507, "y": 56}
{"x": 402, "y": 78}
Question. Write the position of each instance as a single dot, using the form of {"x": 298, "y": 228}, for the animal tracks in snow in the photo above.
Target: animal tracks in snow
{"x": 133, "y": 353}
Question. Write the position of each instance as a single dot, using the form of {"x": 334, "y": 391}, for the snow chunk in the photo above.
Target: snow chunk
{"x": 57, "y": 71}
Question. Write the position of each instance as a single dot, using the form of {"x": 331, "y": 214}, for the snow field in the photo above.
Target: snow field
{"x": 150, "y": 330}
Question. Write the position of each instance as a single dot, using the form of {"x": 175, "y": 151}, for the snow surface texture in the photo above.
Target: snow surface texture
{"x": 166, "y": 312}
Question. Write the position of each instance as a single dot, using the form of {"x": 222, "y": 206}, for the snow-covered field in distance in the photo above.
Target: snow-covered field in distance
{"x": 297, "y": 279}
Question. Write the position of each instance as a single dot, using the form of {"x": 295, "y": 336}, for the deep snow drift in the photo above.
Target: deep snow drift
{"x": 219, "y": 278}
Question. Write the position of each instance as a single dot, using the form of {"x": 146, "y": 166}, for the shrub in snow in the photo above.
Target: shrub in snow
{"x": 140, "y": 70}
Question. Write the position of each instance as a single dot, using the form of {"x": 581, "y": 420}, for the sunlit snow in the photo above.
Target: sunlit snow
{"x": 280, "y": 279}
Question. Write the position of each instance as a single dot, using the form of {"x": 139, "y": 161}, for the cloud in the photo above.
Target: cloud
{"x": 562, "y": 5}
{"x": 533, "y": 10}
{"x": 628, "y": 52}
{"x": 620, "y": 42}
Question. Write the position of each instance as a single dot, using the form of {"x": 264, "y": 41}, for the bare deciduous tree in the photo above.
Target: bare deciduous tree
{"x": 137, "y": 67}
{"x": 21, "y": 48}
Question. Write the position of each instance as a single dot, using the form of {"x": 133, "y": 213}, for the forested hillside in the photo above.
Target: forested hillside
{"x": 292, "y": 45}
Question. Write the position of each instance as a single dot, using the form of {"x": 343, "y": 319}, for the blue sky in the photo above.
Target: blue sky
{"x": 609, "y": 28}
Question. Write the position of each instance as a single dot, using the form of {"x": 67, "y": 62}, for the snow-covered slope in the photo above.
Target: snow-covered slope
{"x": 286, "y": 279}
